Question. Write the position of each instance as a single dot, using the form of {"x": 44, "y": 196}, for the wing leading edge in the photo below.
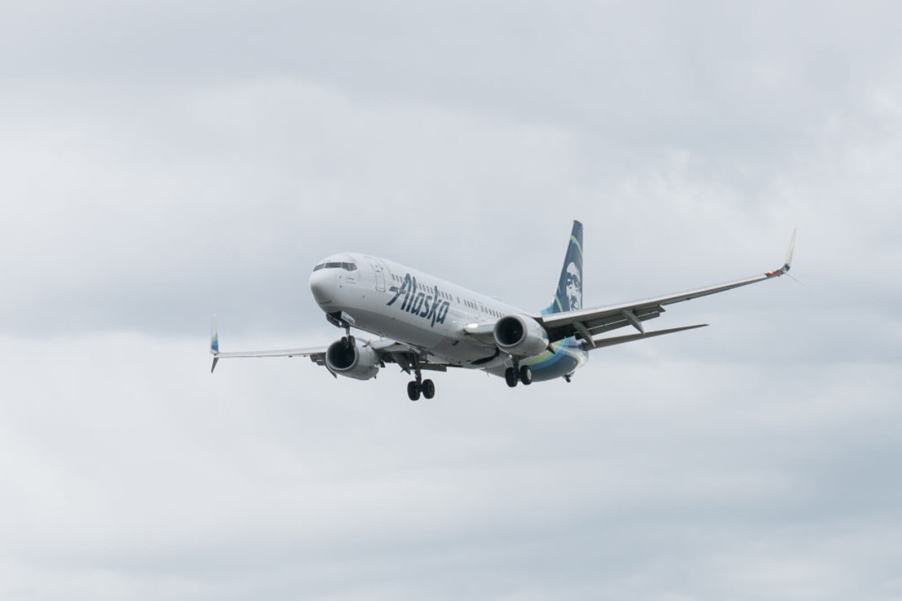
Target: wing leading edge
{"x": 317, "y": 354}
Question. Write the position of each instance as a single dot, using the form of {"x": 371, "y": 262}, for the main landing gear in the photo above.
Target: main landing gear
{"x": 425, "y": 387}
{"x": 420, "y": 386}
{"x": 513, "y": 375}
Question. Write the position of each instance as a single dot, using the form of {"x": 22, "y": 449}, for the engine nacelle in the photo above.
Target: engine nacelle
{"x": 520, "y": 336}
{"x": 358, "y": 361}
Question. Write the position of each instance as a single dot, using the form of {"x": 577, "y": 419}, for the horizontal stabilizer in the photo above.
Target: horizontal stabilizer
{"x": 601, "y": 341}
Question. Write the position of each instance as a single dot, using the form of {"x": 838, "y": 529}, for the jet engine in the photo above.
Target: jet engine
{"x": 520, "y": 336}
{"x": 352, "y": 359}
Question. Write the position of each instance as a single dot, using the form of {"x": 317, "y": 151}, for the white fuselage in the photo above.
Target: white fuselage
{"x": 394, "y": 301}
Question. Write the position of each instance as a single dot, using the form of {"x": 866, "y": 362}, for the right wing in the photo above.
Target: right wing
{"x": 389, "y": 351}
{"x": 317, "y": 354}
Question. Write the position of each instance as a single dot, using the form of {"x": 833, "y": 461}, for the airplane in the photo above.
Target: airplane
{"x": 425, "y": 323}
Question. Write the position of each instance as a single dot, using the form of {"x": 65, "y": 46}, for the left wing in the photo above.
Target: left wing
{"x": 587, "y": 323}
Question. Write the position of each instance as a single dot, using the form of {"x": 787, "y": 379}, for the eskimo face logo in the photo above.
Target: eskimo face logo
{"x": 574, "y": 288}
{"x": 426, "y": 303}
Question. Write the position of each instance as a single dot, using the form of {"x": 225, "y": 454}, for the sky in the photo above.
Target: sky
{"x": 162, "y": 162}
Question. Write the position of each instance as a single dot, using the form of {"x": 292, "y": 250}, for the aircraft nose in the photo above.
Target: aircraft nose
{"x": 322, "y": 286}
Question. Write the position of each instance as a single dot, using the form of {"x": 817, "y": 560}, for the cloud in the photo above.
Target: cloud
{"x": 149, "y": 473}
{"x": 163, "y": 162}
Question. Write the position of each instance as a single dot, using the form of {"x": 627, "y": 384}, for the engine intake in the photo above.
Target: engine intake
{"x": 520, "y": 336}
{"x": 352, "y": 360}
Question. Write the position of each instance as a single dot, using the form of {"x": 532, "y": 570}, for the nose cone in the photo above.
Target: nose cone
{"x": 323, "y": 286}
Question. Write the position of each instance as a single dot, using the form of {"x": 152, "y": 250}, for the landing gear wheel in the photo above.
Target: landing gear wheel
{"x": 413, "y": 391}
{"x": 428, "y": 389}
{"x": 526, "y": 375}
{"x": 511, "y": 376}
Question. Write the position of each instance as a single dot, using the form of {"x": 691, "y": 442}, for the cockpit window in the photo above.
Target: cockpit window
{"x": 336, "y": 265}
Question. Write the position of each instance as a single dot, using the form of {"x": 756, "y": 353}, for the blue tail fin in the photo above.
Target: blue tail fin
{"x": 569, "y": 293}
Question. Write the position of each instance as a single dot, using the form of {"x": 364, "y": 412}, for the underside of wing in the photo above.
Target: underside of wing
{"x": 406, "y": 356}
{"x": 289, "y": 352}
{"x": 481, "y": 333}
{"x": 317, "y": 354}
{"x": 601, "y": 341}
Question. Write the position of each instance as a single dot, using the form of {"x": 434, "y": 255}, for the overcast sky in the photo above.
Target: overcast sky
{"x": 164, "y": 161}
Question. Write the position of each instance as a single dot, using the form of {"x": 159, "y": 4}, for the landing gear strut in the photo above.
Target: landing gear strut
{"x": 337, "y": 320}
{"x": 419, "y": 386}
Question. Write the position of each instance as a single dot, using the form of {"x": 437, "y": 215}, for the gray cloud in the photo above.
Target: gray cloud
{"x": 703, "y": 481}
{"x": 163, "y": 162}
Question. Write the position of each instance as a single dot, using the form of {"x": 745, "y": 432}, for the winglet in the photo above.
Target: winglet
{"x": 792, "y": 246}
{"x": 214, "y": 344}
{"x": 787, "y": 263}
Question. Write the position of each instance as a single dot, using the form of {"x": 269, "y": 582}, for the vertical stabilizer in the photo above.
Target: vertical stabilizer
{"x": 569, "y": 293}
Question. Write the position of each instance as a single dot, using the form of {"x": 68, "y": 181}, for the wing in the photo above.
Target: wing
{"x": 389, "y": 351}
{"x": 599, "y": 342}
{"x": 588, "y": 323}
{"x": 315, "y": 353}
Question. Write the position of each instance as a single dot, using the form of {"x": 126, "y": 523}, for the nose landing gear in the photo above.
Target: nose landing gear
{"x": 337, "y": 319}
